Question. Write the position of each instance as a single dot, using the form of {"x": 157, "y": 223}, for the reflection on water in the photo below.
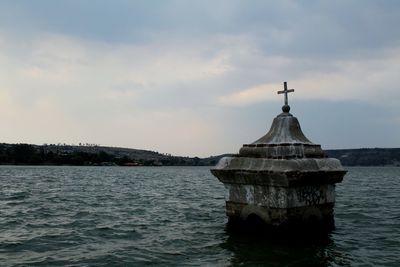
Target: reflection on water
{"x": 282, "y": 249}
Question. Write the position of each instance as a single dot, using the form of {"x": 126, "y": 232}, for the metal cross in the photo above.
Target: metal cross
{"x": 285, "y": 91}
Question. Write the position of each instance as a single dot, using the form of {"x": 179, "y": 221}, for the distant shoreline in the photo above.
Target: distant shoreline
{"x": 93, "y": 155}
{"x": 118, "y": 166}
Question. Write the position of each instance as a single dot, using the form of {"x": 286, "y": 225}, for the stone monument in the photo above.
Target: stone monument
{"x": 282, "y": 178}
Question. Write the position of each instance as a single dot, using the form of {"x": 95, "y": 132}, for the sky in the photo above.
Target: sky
{"x": 198, "y": 78}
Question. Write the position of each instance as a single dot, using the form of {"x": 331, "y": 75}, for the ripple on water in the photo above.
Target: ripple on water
{"x": 88, "y": 216}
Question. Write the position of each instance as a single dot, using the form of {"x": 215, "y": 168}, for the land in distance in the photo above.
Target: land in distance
{"x": 94, "y": 155}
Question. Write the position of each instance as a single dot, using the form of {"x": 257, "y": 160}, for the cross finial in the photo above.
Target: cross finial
{"x": 285, "y": 91}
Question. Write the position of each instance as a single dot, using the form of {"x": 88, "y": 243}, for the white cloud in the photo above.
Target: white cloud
{"x": 256, "y": 94}
{"x": 370, "y": 80}
{"x": 72, "y": 90}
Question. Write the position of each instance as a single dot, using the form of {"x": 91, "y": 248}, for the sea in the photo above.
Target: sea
{"x": 175, "y": 216}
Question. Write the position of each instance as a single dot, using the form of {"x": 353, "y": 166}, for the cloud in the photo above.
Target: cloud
{"x": 366, "y": 79}
{"x": 71, "y": 90}
{"x": 260, "y": 93}
{"x": 127, "y": 72}
{"x": 63, "y": 66}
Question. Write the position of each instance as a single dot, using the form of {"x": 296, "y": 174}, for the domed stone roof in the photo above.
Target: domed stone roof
{"x": 284, "y": 140}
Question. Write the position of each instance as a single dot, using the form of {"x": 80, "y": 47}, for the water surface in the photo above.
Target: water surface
{"x": 174, "y": 216}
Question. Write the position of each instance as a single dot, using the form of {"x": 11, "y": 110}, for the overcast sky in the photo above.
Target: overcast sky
{"x": 198, "y": 77}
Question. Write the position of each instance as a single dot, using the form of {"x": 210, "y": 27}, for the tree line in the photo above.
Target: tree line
{"x": 27, "y": 154}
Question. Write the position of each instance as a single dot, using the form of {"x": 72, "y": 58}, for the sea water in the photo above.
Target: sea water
{"x": 175, "y": 216}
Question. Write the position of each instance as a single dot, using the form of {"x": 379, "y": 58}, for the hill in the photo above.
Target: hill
{"x": 367, "y": 156}
{"x": 93, "y": 155}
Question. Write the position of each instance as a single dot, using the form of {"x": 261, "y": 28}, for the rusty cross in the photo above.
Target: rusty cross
{"x": 285, "y": 91}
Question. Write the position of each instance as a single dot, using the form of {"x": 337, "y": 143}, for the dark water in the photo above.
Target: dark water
{"x": 110, "y": 216}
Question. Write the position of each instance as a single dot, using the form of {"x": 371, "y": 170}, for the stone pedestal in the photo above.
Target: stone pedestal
{"x": 282, "y": 178}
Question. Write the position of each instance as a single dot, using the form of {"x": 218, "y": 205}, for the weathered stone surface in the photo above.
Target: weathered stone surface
{"x": 298, "y": 216}
{"x": 283, "y": 173}
{"x": 284, "y": 140}
{"x": 283, "y": 178}
{"x": 280, "y": 197}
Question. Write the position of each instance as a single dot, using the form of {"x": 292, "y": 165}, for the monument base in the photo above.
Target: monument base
{"x": 298, "y": 217}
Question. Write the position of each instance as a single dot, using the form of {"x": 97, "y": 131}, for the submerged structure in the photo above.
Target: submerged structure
{"x": 282, "y": 178}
